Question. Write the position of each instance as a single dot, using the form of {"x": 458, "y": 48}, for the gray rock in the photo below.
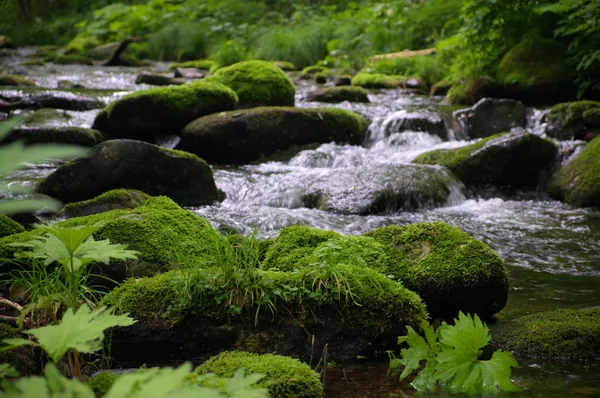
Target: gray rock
{"x": 189, "y": 73}
{"x": 158, "y": 80}
{"x": 425, "y": 121}
{"x": 183, "y": 177}
{"x": 490, "y": 116}
{"x": 51, "y": 99}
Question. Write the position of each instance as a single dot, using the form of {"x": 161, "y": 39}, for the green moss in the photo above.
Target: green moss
{"x": 285, "y": 377}
{"x": 8, "y": 226}
{"x": 293, "y": 245}
{"x": 46, "y": 116}
{"x": 45, "y": 50}
{"x": 81, "y": 45}
{"x": 102, "y": 382}
{"x": 163, "y": 109}
{"x": 468, "y": 92}
{"x": 67, "y": 59}
{"x": 534, "y": 62}
{"x": 257, "y": 83}
{"x": 285, "y": 66}
{"x": 447, "y": 267}
{"x": 15, "y": 80}
{"x": 310, "y": 71}
{"x": 578, "y": 182}
{"x": 339, "y": 94}
{"x": 557, "y": 334}
{"x": 204, "y": 64}
{"x": 111, "y": 200}
{"x": 321, "y": 78}
{"x": 31, "y": 62}
{"x": 377, "y": 80}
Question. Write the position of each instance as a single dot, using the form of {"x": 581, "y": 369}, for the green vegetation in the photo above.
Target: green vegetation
{"x": 284, "y": 377}
{"x": 15, "y": 80}
{"x": 452, "y": 354}
{"x": 578, "y": 182}
{"x": 572, "y": 120}
{"x": 111, "y": 200}
{"x": 561, "y": 334}
{"x": 339, "y": 94}
{"x": 8, "y": 226}
{"x": 377, "y": 80}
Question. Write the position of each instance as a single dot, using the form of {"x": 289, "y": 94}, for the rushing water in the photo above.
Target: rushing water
{"x": 551, "y": 249}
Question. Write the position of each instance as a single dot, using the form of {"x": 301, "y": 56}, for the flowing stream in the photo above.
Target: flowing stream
{"x": 551, "y": 249}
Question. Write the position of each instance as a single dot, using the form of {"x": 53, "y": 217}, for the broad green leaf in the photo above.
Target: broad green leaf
{"x": 53, "y": 385}
{"x": 420, "y": 349}
{"x": 6, "y": 126}
{"x": 468, "y": 335}
{"x": 82, "y": 330}
{"x": 8, "y": 206}
{"x": 7, "y": 370}
{"x": 72, "y": 238}
{"x": 14, "y": 155}
{"x": 240, "y": 386}
{"x": 26, "y": 387}
{"x": 102, "y": 251}
{"x": 15, "y": 342}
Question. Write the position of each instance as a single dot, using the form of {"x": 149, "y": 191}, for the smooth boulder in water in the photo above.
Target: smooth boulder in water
{"x": 338, "y": 94}
{"x": 51, "y": 99}
{"x": 239, "y": 137}
{"x": 490, "y": 116}
{"x": 154, "y": 79}
{"x": 184, "y": 177}
{"x": 164, "y": 110}
{"x": 506, "y": 160}
{"x": 257, "y": 83}
{"x": 425, "y": 121}
{"x": 578, "y": 182}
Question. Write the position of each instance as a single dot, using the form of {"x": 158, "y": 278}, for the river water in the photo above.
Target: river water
{"x": 551, "y": 249}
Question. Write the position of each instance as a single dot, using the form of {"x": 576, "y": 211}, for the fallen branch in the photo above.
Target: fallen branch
{"x": 16, "y": 306}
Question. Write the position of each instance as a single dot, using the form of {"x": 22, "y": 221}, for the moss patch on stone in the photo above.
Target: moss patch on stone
{"x": 377, "y": 80}
{"x": 310, "y": 71}
{"x": 285, "y": 377}
{"x": 339, "y": 94}
{"x": 561, "y": 334}
{"x": 573, "y": 119}
{"x": 162, "y": 110}
{"x": 82, "y": 45}
{"x": 204, "y": 64}
{"x": 8, "y": 226}
{"x": 239, "y": 137}
{"x": 67, "y": 59}
{"x": 285, "y": 66}
{"x": 111, "y": 200}
{"x": 578, "y": 182}
{"x": 257, "y": 83}
{"x": 447, "y": 267}
{"x": 468, "y": 92}
{"x": 55, "y": 134}
{"x": 102, "y": 382}
{"x": 15, "y": 80}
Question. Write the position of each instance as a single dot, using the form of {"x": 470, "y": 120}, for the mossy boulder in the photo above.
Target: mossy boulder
{"x": 447, "y": 267}
{"x": 468, "y": 92}
{"x": 535, "y": 71}
{"x": 55, "y": 134}
{"x": 309, "y": 72}
{"x": 293, "y": 245}
{"x": 67, "y": 59}
{"x": 164, "y": 110}
{"x": 111, "y": 200}
{"x": 162, "y": 232}
{"x": 8, "y": 226}
{"x": 284, "y": 377}
{"x": 378, "y": 80}
{"x": 338, "y": 94}
{"x": 265, "y": 312}
{"x": 203, "y": 64}
{"x": 505, "y": 160}
{"x": 184, "y": 177}
{"x": 102, "y": 382}
{"x": 561, "y": 334}
{"x": 82, "y": 45}
{"x": 573, "y": 120}
{"x": 240, "y": 137}
{"x": 257, "y": 83}
{"x": 285, "y": 66}
{"x": 578, "y": 182}
{"x": 430, "y": 122}
{"x": 155, "y": 79}
{"x": 373, "y": 189}
{"x": 321, "y": 78}
{"x": 490, "y": 116}
{"x": 15, "y": 80}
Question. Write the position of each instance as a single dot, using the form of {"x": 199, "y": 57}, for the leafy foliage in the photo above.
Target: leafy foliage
{"x": 452, "y": 354}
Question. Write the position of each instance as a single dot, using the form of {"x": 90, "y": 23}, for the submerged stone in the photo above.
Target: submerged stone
{"x": 506, "y": 160}
{"x": 184, "y": 177}
{"x": 15, "y": 80}
{"x": 158, "y": 80}
{"x": 562, "y": 334}
{"x": 284, "y": 377}
{"x": 490, "y": 116}
{"x": 165, "y": 110}
{"x": 338, "y": 94}
{"x": 111, "y": 200}
{"x": 447, "y": 267}
{"x": 257, "y": 83}
{"x": 239, "y": 137}
{"x": 51, "y": 99}
{"x": 377, "y": 80}
{"x": 578, "y": 182}
{"x": 574, "y": 120}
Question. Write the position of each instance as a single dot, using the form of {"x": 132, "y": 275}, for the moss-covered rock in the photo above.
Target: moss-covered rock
{"x": 470, "y": 91}
{"x": 203, "y": 64}
{"x": 535, "y": 71}
{"x": 293, "y": 245}
{"x": 6, "y": 42}
{"x": 561, "y": 334}
{"x": 184, "y": 177}
{"x": 490, "y": 116}
{"x": 320, "y": 78}
{"x": 111, "y": 200}
{"x": 8, "y": 226}
{"x": 155, "y": 79}
{"x": 22, "y": 358}
{"x": 55, "y": 134}
{"x": 33, "y": 62}
{"x": 430, "y": 122}
{"x": 239, "y": 137}
{"x": 578, "y": 182}
{"x": 263, "y": 311}
{"x": 573, "y": 120}
{"x": 285, "y": 66}
{"x": 163, "y": 110}
{"x": 338, "y": 94}
{"x": 15, "y": 80}
{"x": 511, "y": 161}
{"x": 285, "y": 377}
{"x": 82, "y": 45}
{"x": 257, "y": 83}
{"x": 377, "y": 80}
{"x": 309, "y": 72}
{"x": 67, "y": 59}
{"x": 102, "y": 382}
{"x": 447, "y": 267}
